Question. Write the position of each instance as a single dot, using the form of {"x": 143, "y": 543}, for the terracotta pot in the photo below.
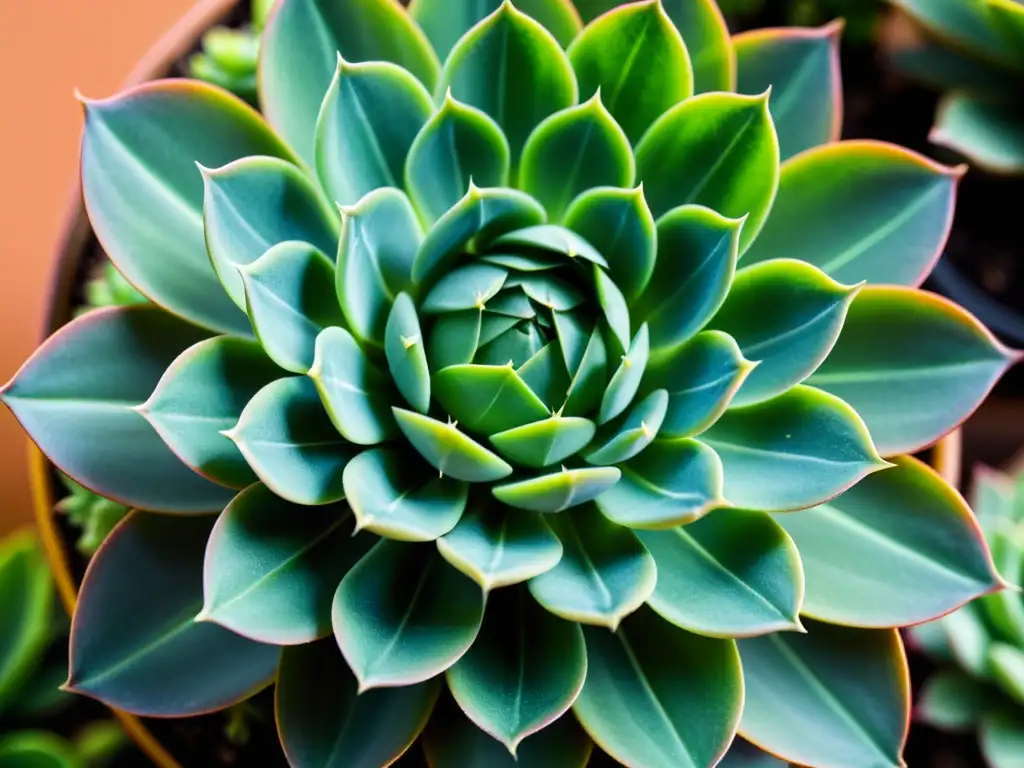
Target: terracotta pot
{"x": 76, "y": 245}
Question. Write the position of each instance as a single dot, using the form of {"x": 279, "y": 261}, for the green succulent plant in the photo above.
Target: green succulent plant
{"x": 980, "y": 647}
{"x": 229, "y": 55}
{"x": 974, "y": 52}
{"x": 470, "y": 392}
{"x": 94, "y": 515}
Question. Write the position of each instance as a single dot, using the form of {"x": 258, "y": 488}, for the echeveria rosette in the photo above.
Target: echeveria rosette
{"x": 974, "y": 52}
{"x": 476, "y": 387}
{"x": 979, "y": 648}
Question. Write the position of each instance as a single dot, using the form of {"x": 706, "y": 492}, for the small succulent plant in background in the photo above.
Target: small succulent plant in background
{"x": 980, "y": 647}
{"x": 973, "y": 50}
{"x": 229, "y": 55}
{"x": 477, "y": 373}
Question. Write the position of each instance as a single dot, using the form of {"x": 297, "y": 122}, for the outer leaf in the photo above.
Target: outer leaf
{"x": 139, "y": 177}
{"x": 697, "y": 251}
{"x": 953, "y": 701}
{"x": 731, "y": 574}
{"x": 446, "y": 21}
{"x": 290, "y": 299}
{"x": 986, "y": 132}
{"x": 1007, "y": 667}
{"x": 798, "y": 450}
{"x": 405, "y": 349}
{"x": 905, "y": 539}
{"x": 458, "y": 144}
{"x": 354, "y": 392}
{"x": 496, "y": 546}
{"x": 701, "y": 378}
{"x": 524, "y": 670}
{"x": 847, "y": 207}
{"x": 379, "y": 239}
{"x": 718, "y": 150}
{"x": 967, "y": 22}
{"x": 604, "y": 575}
{"x": 299, "y": 53}
{"x": 572, "y": 151}
{"x": 38, "y": 749}
{"x": 76, "y": 397}
{"x": 621, "y": 222}
{"x": 255, "y": 203}
{"x": 852, "y": 684}
{"x": 202, "y": 393}
{"x": 968, "y": 639}
{"x": 669, "y": 484}
{"x": 147, "y": 656}
{"x": 403, "y": 615}
{"x": 557, "y": 491}
{"x": 635, "y": 55}
{"x": 449, "y": 451}
{"x": 370, "y": 116}
{"x": 287, "y": 438}
{"x": 26, "y": 599}
{"x": 1002, "y": 737}
{"x": 800, "y": 312}
{"x": 272, "y": 567}
{"x": 703, "y": 27}
{"x": 626, "y": 380}
{"x": 659, "y": 697}
{"x": 394, "y": 502}
{"x": 802, "y": 68}
{"x": 912, "y": 364}
{"x": 547, "y": 442}
{"x": 510, "y": 67}
{"x": 487, "y": 398}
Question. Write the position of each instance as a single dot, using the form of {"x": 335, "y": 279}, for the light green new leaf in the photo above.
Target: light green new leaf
{"x": 547, "y": 442}
{"x": 621, "y": 222}
{"x": 353, "y": 390}
{"x": 626, "y": 380}
{"x": 557, "y": 491}
{"x": 285, "y": 435}
{"x": 659, "y": 697}
{"x": 898, "y": 548}
{"x": 468, "y": 287}
{"x": 798, "y": 312}
{"x": 524, "y": 670}
{"x": 671, "y": 483}
{"x": 952, "y": 701}
{"x": 797, "y": 450}
{"x": 734, "y": 573}
{"x": 572, "y": 151}
{"x": 379, "y": 240}
{"x": 833, "y": 697}
{"x": 202, "y": 393}
{"x": 450, "y": 451}
{"x": 848, "y": 207}
{"x": 487, "y": 398}
{"x": 140, "y": 181}
{"x": 290, "y": 299}
{"x": 701, "y": 378}
{"x": 801, "y": 66}
{"x": 396, "y": 501}
{"x": 299, "y": 56}
{"x": 624, "y": 438}
{"x": 370, "y": 117}
{"x": 404, "y": 347}
{"x": 497, "y": 546}
{"x": 987, "y": 132}
{"x": 1006, "y": 664}
{"x": 635, "y": 57}
{"x": 913, "y": 365}
{"x": 553, "y": 238}
{"x": 510, "y": 67}
{"x": 718, "y": 150}
{"x": 26, "y": 600}
{"x": 76, "y": 398}
{"x": 458, "y": 144}
{"x": 697, "y": 252}
{"x": 38, "y": 749}
{"x": 272, "y": 567}
{"x": 150, "y": 657}
{"x": 712, "y": 56}
{"x": 255, "y": 203}
{"x": 1004, "y": 610}
{"x": 323, "y": 719}
{"x": 1002, "y": 737}
{"x": 968, "y": 639}
{"x": 604, "y": 575}
{"x": 403, "y": 615}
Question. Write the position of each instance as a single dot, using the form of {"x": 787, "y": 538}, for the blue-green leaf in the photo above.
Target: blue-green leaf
{"x": 450, "y": 451}
{"x": 626, "y": 380}
{"x": 468, "y": 287}
{"x": 547, "y": 442}
{"x": 487, "y": 398}
{"x": 553, "y": 238}
{"x": 557, "y": 491}
{"x": 455, "y": 338}
{"x": 405, "y": 347}
{"x": 623, "y": 439}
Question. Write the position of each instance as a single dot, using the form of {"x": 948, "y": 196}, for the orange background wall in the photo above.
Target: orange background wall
{"x": 48, "y": 48}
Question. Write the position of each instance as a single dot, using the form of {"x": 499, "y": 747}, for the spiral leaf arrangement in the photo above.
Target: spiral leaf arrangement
{"x": 470, "y": 392}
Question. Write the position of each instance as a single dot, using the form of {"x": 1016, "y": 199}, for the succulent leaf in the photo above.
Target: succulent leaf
{"x": 553, "y": 238}
{"x": 712, "y": 54}
{"x": 1002, "y": 734}
{"x": 987, "y": 132}
{"x": 405, "y": 350}
{"x": 468, "y": 287}
{"x": 952, "y": 700}
{"x": 487, "y": 398}
{"x": 450, "y": 451}
{"x": 624, "y": 438}
{"x": 626, "y": 380}
{"x": 27, "y": 599}
{"x": 456, "y": 336}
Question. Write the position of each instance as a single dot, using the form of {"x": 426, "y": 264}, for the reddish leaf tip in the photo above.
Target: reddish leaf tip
{"x": 834, "y": 29}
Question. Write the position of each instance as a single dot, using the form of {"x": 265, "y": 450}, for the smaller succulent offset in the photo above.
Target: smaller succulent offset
{"x": 980, "y": 647}
{"x": 229, "y": 56}
{"x": 974, "y": 51}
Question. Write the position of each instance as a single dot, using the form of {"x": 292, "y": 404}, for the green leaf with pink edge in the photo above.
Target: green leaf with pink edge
{"x": 912, "y": 364}
{"x": 299, "y": 56}
{"x": 802, "y": 68}
{"x": 966, "y": 23}
{"x": 151, "y": 657}
{"x": 77, "y": 398}
{"x": 272, "y": 567}
{"x": 900, "y": 547}
{"x": 403, "y": 615}
{"x": 1002, "y": 737}
{"x": 140, "y": 181}
{"x": 848, "y": 207}
{"x": 989, "y": 133}
{"x": 852, "y": 684}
